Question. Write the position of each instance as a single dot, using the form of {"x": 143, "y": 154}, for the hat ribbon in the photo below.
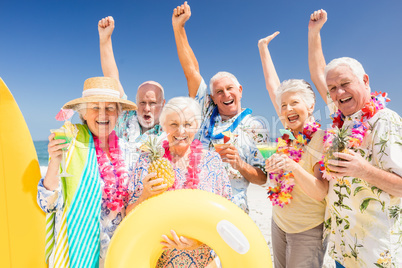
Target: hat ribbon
{"x": 101, "y": 91}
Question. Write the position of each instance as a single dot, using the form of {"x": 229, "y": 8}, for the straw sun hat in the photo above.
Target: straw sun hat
{"x": 101, "y": 89}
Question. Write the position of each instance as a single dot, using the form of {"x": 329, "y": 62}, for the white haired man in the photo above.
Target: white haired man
{"x": 150, "y": 94}
{"x": 222, "y": 112}
{"x": 365, "y": 184}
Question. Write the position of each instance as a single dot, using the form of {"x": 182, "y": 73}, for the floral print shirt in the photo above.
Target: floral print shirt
{"x": 213, "y": 178}
{"x": 129, "y": 129}
{"x": 245, "y": 140}
{"x": 53, "y": 201}
{"x": 362, "y": 221}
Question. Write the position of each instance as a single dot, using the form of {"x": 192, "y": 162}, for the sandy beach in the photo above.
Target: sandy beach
{"x": 261, "y": 213}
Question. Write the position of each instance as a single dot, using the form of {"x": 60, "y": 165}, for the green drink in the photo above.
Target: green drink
{"x": 267, "y": 149}
{"x": 67, "y": 134}
{"x": 61, "y": 135}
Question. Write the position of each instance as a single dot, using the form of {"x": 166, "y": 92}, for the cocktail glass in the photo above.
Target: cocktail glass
{"x": 267, "y": 148}
{"x": 62, "y": 134}
{"x": 264, "y": 143}
{"x": 218, "y": 144}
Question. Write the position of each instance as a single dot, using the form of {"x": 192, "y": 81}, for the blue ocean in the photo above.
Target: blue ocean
{"x": 41, "y": 150}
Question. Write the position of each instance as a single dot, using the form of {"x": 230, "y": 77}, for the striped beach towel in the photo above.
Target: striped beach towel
{"x": 77, "y": 242}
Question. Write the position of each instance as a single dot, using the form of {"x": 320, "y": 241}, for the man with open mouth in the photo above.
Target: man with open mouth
{"x": 363, "y": 219}
{"x": 222, "y": 113}
{"x": 150, "y": 94}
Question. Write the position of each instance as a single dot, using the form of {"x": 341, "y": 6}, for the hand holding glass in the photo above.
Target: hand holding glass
{"x": 61, "y": 134}
{"x": 266, "y": 147}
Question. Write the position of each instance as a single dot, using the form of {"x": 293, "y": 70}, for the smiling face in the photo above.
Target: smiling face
{"x": 294, "y": 111}
{"x": 181, "y": 128}
{"x": 227, "y": 97}
{"x": 150, "y": 103}
{"x": 101, "y": 118}
{"x": 345, "y": 89}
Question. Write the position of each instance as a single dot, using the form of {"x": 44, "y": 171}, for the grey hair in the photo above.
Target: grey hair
{"x": 221, "y": 75}
{"x": 179, "y": 104}
{"x": 299, "y": 86}
{"x": 81, "y": 109}
{"x": 353, "y": 64}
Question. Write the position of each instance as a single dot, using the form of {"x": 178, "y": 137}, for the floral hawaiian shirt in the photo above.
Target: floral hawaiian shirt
{"x": 362, "y": 221}
{"x": 129, "y": 129}
{"x": 245, "y": 139}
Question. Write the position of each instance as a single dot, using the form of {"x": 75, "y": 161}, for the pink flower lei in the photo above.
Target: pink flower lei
{"x": 359, "y": 130}
{"x": 114, "y": 174}
{"x": 193, "y": 170}
{"x": 281, "y": 194}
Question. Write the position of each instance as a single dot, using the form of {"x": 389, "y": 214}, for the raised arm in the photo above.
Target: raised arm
{"x": 272, "y": 81}
{"x": 316, "y": 60}
{"x": 186, "y": 55}
{"x": 109, "y": 67}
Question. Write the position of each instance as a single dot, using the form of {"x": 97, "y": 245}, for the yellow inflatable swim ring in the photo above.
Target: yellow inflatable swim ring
{"x": 201, "y": 215}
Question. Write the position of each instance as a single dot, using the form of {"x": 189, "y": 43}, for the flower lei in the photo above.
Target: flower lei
{"x": 356, "y": 135}
{"x": 280, "y": 194}
{"x": 193, "y": 170}
{"x": 114, "y": 174}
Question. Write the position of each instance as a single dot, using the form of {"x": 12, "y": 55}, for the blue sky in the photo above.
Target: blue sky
{"x": 48, "y": 48}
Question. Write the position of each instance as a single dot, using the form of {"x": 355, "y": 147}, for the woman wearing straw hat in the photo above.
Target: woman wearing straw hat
{"x": 84, "y": 209}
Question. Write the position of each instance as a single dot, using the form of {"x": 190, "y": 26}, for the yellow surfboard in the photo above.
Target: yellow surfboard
{"x": 22, "y": 222}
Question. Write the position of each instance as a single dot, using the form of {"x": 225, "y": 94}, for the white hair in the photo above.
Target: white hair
{"x": 81, "y": 109}
{"x": 178, "y": 105}
{"x": 299, "y": 86}
{"x": 221, "y": 75}
{"x": 353, "y": 64}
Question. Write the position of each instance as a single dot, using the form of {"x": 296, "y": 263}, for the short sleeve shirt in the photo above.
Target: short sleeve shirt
{"x": 363, "y": 222}
{"x": 245, "y": 141}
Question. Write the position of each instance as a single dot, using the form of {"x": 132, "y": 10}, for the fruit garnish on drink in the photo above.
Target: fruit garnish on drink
{"x": 64, "y": 114}
{"x": 67, "y": 132}
{"x": 227, "y": 137}
{"x": 287, "y": 134}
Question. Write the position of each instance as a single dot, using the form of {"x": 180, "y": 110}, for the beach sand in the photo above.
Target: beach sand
{"x": 261, "y": 213}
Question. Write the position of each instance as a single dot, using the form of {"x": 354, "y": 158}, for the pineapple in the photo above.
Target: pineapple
{"x": 339, "y": 143}
{"x": 159, "y": 165}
